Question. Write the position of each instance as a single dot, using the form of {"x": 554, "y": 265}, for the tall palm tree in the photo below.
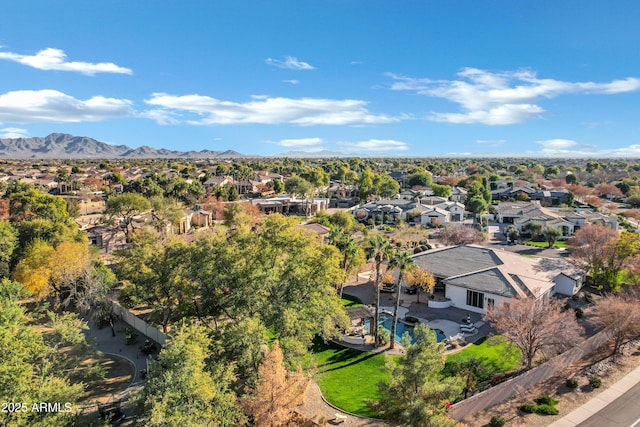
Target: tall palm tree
{"x": 403, "y": 262}
{"x": 378, "y": 250}
{"x": 349, "y": 249}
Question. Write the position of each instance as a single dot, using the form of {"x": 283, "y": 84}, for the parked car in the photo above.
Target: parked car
{"x": 388, "y": 288}
{"x": 411, "y": 290}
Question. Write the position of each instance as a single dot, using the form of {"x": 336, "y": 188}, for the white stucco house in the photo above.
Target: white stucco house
{"x": 475, "y": 278}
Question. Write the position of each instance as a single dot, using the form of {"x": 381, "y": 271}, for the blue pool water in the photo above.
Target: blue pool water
{"x": 401, "y": 328}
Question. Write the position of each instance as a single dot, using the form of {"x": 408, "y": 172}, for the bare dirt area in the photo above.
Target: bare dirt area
{"x": 596, "y": 364}
{"x": 118, "y": 376}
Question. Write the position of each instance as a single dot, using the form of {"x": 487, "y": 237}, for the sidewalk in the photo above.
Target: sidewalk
{"x": 600, "y": 401}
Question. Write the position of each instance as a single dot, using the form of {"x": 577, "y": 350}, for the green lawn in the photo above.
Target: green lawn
{"x": 348, "y": 377}
{"x": 497, "y": 355}
{"x": 350, "y": 301}
{"x": 557, "y": 245}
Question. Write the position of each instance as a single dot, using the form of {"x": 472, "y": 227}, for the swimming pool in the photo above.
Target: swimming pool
{"x": 386, "y": 321}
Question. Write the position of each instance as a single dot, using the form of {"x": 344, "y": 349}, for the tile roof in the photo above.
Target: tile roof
{"x": 494, "y": 271}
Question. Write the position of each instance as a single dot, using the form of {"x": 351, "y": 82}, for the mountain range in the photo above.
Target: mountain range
{"x": 65, "y": 146}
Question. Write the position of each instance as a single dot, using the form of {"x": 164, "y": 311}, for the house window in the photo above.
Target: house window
{"x": 475, "y": 299}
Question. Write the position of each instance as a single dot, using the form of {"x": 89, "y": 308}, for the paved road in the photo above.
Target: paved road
{"x": 622, "y": 412}
{"x": 616, "y": 406}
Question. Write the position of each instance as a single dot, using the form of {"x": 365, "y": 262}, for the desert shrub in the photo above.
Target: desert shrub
{"x": 595, "y": 382}
{"x": 572, "y": 383}
{"x": 547, "y": 410}
{"x": 497, "y": 421}
{"x": 384, "y": 336}
{"x": 545, "y": 399}
{"x": 529, "y": 408}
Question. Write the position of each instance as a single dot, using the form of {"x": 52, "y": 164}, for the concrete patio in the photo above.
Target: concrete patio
{"x": 445, "y": 319}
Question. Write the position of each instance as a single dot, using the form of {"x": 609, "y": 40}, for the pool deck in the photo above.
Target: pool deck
{"x": 445, "y": 319}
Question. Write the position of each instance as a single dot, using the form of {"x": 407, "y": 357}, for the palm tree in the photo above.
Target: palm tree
{"x": 403, "y": 262}
{"x": 378, "y": 250}
{"x": 350, "y": 250}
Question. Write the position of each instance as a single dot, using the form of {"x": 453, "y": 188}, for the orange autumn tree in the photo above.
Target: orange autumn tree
{"x": 34, "y": 269}
{"x": 273, "y": 401}
{"x": 422, "y": 280}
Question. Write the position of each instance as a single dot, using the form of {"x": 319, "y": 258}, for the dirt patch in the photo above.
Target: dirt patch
{"x": 118, "y": 376}
{"x": 595, "y": 364}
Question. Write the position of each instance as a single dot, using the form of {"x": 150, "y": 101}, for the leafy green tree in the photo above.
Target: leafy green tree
{"x": 276, "y": 185}
{"x": 422, "y": 178}
{"x": 49, "y": 231}
{"x": 402, "y": 261}
{"x": 512, "y": 233}
{"x": 551, "y": 235}
{"x": 32, "y": 204}
{"x": 612, "y": 258}
{"x": 378, "y": 250}
{"x": 417, "y": 393}
{"x": 317, "y": 177}
{"x": 477, "y": 205}
{"x": 385, "y": 186}
{"x": 233, "y": 194}
{"x": 183, "y": 389}
{"x": 242, "y": 345}
{"x": 571, "y": 179}
{"x": 352, "y": 253}
{"x": 288, "y": 282}
{"x": 33, "y": 368}
{"x": 441, "y": 190}
{"x": 470, "y": 370}
{"x": 123, "y": 208}
{"x": 165, "y": 212}
{"x": 8, "y": 243}
{"x": 297, "y": 185}
{"x": 157, "y": 276}
{"x": 534, "y": 228}
{"x": 365, "y": 184}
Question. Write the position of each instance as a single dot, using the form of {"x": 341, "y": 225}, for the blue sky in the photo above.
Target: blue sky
{"x": 409, "y": 78}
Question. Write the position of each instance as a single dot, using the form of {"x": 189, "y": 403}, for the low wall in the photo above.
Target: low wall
{"x": 139, "y": 325}
{"x": 439, "y": 304}
{"x": 521, "y": 383}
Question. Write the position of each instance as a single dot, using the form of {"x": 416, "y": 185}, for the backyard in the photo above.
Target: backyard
{"x": 349, "y": 377}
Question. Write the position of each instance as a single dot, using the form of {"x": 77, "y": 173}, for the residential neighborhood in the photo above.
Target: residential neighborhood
{"x": 397, "y": 248}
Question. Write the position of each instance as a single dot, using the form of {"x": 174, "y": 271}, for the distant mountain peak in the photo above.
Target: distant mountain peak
{"x": 65, "y": 146}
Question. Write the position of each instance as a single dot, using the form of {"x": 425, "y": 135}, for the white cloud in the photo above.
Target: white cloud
{"x": 300, "y": 142}
{"x": 14, "y": 133}
{"x": 292, "y": 81}
{"x": 55, "y": 59}
{"x": 376, "y": 145}
{"x": 502, "y": 98}
{"x": 28, "y": 106}
{"x": 266, "y": 110}
{"x": 290, "y": 63}
{"x": 557, "y": 144}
